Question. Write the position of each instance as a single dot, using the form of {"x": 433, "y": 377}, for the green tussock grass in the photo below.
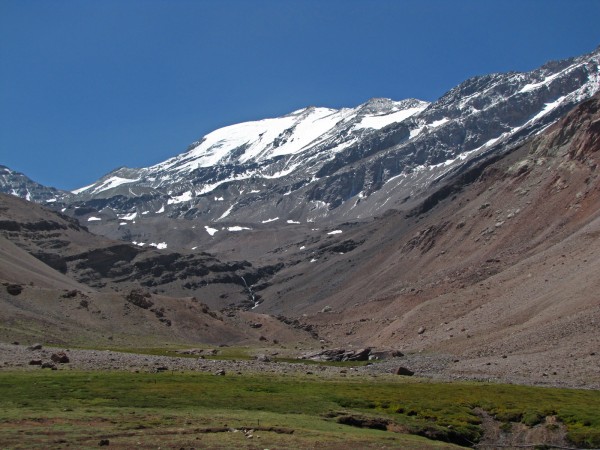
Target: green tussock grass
{"x": 127, "y": 405}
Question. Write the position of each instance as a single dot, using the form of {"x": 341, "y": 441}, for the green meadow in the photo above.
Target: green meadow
{"x": 59, "y": 409}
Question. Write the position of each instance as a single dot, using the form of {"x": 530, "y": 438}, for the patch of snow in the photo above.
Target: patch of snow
{"x": 185, "y": 197}
{"x": 292, "y": 221}
{"x": 52, "y": 200}
{"x": 109, "y": 183}
{"x": 160, "y": 245}
{"x": 161, "y": 210}
{"x": 123, "y": 223}
{"x": 219, "y": 199}
{"x": 210, "y": 230}
{"x": 128, "y": 216}
{"x": 303, "y": 247}
{"x": 270, "y": 220}
{"x": 194, "y": 248}
{"x": 378, "y": 122}
{"x": 145, "y": 212}
{"x": 226, "y": 213}
{"x": 438, "y": 123}
{"x": 335, "y": 232}
{"x": 94, "y": 219}
{"x": 237, "y": 228}
{"x": 313, "y": 260}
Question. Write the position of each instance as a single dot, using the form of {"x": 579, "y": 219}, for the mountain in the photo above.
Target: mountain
{"x": 18, "y": 184}
{"x": 320, "y": 164}
{"x": 466, "y": 229}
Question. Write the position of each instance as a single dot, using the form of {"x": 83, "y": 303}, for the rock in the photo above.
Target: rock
{"x": 35, "y": 362}
{"x": 220, "y": 372}
{"x": 70, "y": 294}
{"x": 256, "y": 325}
{"x": 14, "y": 289}
{"x": 358, "y": 355}
{"x": 35, "y": 347}
{"x": 103, "y": 442}
{"x": 60, "y": 357}
{"x": 48, "y": 365}
{"x": 397, "y": 354}
{"x": 326, "y": 309}
{"x": 404, "y": 371}
{"x": 263, "y": 358}
{"x": 421, "y": 330}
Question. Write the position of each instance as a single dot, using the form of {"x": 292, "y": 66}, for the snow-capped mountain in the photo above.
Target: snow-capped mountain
{"x": 18, "y": 184}
{"x": 322, "y": 163}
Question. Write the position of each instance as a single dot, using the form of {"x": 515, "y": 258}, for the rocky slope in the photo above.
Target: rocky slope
{"x": 498, "y": 265}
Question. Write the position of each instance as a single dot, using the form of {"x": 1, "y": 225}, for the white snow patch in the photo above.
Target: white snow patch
{"x": 161, "y": 210}
{"x": 94, "y": 219}
{"x": 292, "y": 221}
{"x": 378, "y": 122}
{"x": 270, "y": 220}
{"x": 185, "y": 197}
{"x": 438, "y": 123}
{"x": 194, "y": 248}
{"x": 313, "y": 260}
{"x": 237, "y": 228}
{"x": 123, "y": 223}
{"x": 335, "y": 232}
{"x": 210, "y": 230}
{"x": 219, "y": 199}
{"x": 226, "y": 213}
{"x": 128, "y": 216}
{"x": 303, "y": 247}
{"x": 109, "y": 183}
{"x": 160, "y": 245}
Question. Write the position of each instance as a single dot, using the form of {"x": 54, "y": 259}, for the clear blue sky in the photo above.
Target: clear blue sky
{"x": 87, "y": 86}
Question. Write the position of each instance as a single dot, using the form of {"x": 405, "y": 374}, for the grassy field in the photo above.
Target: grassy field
{"x": 196, "y": 410}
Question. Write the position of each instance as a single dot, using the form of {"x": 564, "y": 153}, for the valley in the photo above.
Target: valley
{"x": 449, "y": 248}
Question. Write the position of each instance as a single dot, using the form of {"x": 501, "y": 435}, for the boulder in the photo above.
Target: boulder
{"x": 60, "y": 357}
{"x": 48, "y": 365}
{"x": 35, "y": 347}
{"x": 404, "y": 371}
{"x": 14, "y": 289}
{"x": 35, "y": 362}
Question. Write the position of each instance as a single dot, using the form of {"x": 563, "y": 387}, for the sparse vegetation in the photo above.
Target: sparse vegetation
{"x": 128, "y": 406}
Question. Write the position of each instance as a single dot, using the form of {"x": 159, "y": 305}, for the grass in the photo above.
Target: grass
{"x": 79, "y": 408}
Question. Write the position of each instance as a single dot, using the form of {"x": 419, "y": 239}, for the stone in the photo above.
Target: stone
{"x": 48, "y": 365}
{"x": 35, "y": 347}
{"x": 103, "y": 442}
{"x": 404, "y": 372}
{"x": 60, "y": 357}
{"x": 421, "y": 330}
{"x": 220, "y": 372}
{"x": 35, "y": 362}
{"x": 263, "y": 358}
{"x": 14, "y": 289}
